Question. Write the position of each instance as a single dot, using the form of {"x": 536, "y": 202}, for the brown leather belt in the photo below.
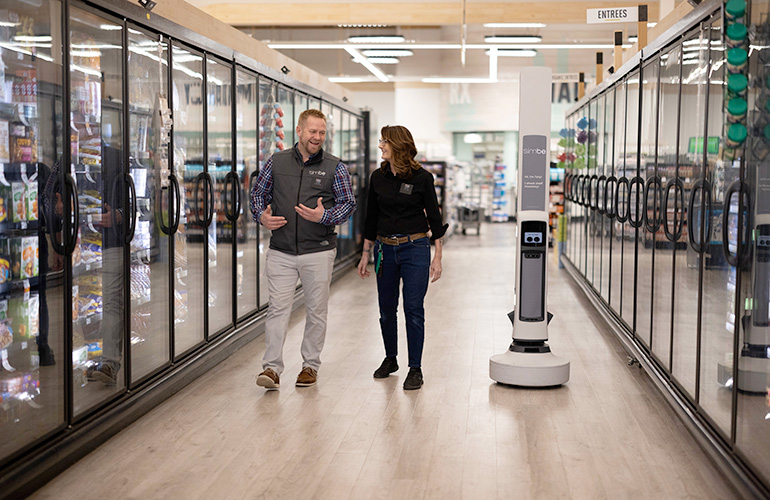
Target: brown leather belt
{"x": 389, "y": 240}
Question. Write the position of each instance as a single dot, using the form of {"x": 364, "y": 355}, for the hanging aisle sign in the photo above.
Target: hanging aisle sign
{"x": 612, "y": 15}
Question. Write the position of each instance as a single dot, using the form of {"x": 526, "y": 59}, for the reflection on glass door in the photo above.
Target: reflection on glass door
{"x": 648, "y": 204}
{"x": 246, "y": 120}
{"x": 630, "y": 227}
{"x": 608, "y": 197}
{"x": 286, "y": 105}
{"x": 189, "y": 258}
{"x": 672, "y": 211}
{"x": 718, "y": 323}
{"x": 269, "y": 120}
{"x": 753, "y": 318}
{"x": 690, "y": 172}
{"x": 620, "y": 195}
{"x": 148, "y": 148}
{"x": 32, "y": 358}
{"x": 96, "y": 80}
{"x": 220, "y": 180}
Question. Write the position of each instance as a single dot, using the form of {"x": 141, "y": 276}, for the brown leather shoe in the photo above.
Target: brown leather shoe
{"x": 307, "y": 377}
{"x": 269, "y": 380}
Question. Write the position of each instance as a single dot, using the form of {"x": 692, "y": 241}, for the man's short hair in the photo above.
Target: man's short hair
{"x": 317, "y": 113}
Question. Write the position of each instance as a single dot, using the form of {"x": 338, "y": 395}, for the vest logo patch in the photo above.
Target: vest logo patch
{"x": 317, "y": 182}
{"x": 317, "y": 172}
{"x": 406, "y": 188}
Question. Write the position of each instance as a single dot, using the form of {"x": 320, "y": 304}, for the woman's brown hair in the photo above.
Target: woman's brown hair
{"x": 402, "y": 150}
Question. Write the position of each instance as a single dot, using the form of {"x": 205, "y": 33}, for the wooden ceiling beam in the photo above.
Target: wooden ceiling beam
{"x": 415, "y": 13}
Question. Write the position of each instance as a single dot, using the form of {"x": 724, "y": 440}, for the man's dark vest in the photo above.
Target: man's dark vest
{"x": 295, "y": 183}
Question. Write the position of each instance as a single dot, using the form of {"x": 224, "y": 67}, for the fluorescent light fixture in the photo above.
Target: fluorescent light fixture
{"x": 387, "y": 52}
{"x": 376, "y": 39}
{"x": 512, "y": 39}
{"x": 457, "y": 80}
{"x": 633, "y": 39}
{"x": 472, "y": 138}
{"x": 85, "y": 53}
{"x": 186, "y": 57}
{"x": 110, "y": 27}
{"x": 437, "y": 46}
{"x": 383, "y": 60}
{"x": 360, "y": 59}
{"x": 514, "y": 25}
{"x": 362, "y": 25}
{"x": 345, "y": 79}
{"x": 24, "y": 38}
{"x": 651, "y": 25}
{"x": 514, "y": 52}
{"x": 6, "y": 24}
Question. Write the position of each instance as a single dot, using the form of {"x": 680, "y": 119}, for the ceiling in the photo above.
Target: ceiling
{"x": 434, "y": 32}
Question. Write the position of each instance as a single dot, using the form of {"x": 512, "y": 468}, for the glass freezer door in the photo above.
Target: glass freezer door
{"x": 148, "y": 167}
{"x": 97, "y": 260}
{"x": 187, "y": 97}
{"x": 32, "y": 359}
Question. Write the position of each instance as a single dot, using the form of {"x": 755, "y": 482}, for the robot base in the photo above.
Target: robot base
{"x": 752, "y": 375}
{"x": 529, "y": 369}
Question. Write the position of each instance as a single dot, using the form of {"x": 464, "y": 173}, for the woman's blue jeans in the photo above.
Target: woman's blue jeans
{"x": 408, "y": 262}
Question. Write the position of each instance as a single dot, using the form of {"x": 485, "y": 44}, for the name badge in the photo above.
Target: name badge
{"x": 317, "y": 182}
{"x": 406, "y": 188}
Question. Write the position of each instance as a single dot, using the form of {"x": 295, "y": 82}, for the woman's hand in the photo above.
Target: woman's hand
{"x": 435, "y": 269}
{"x": 362, "y": 271}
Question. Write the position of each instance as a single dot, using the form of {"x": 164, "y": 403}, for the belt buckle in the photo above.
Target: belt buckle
{"x": 393, "y": 239}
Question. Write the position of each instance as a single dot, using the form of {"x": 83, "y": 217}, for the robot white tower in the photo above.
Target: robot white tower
{"x": 528, "y": 361}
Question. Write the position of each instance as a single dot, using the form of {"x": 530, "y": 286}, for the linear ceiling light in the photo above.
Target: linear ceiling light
{"x": 514, "y": 25}
{"x": 376, "y": 39}
{"x": 383, "y": 60}
{"x": 387, "y": 52}
{"x": 514, "y": 52}
{"x": 345, "y": 79}
{"x": 441, "y": 46}
{"x": 512, "y": 39}
{"x": 360, "y": 59}
{"x": 457, "y": 80}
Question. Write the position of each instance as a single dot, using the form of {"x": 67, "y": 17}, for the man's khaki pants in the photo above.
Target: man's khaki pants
{"x": 314, "y": 270}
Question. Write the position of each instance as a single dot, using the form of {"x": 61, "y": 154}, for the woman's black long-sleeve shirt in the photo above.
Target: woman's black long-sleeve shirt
{"x": 402, "y": 206}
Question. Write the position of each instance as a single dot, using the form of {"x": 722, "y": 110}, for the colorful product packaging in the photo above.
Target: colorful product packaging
{"x": 18, "y": 312}
{"x": 31, "y": 199}
{"x": 5, "y": 145}
{"x": 19, "y": 202}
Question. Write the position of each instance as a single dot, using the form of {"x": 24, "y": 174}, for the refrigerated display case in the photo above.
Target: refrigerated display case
{"x": 688, "y": 290}
{"x": 130, "y": 262}
{"x": 32, "y": 341}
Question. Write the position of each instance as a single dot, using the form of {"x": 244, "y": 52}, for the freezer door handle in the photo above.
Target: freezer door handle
{"x": 132, "y": 208}
{"x": 635, "y": 222}
{"x": 678, "y": 209}
{"x": 210, "y": 198}
{"x": 704, "y": 186}
{"x": 611, "y": 209}
{"x": 738, "y": 258}
{"x": 623, "y": 181}
{"x": 177, "y": 194}
{"x": 196, "y": 199}
{"x": 231, "y": 201}
{"x": 72, "y": 191}
{"x": 601, "y": 201}
{"x": 652, "y": 224}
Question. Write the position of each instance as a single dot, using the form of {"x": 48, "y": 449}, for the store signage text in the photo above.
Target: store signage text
{"x": 564, "y": 92}
{"x": 613, "y": 15}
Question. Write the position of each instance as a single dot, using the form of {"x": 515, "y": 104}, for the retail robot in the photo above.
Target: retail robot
{"x": 528, "y": 361}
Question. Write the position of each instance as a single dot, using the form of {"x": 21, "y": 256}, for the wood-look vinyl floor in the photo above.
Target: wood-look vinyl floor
{"x": 605, "y": 434}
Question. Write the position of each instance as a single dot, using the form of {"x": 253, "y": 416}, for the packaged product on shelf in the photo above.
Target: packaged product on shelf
{"x": 736, "y": 60}
{"x": 94, "y": 349}
{"x": 33, "y": 309}
{"x": 278, "y": 110}
{"x": 5, "y": 151}
{"x": 6, "y": 335}
{"x": 736, "y": 34}
{"x": 77, "y": 254}
{"x": 31, "y": 200}
{"x": 24, "y": 257}
{"x": 5, "y": 200}
{"x": 18, "y": 313}
{"x": 735, "y": 10}
{"x": 5, "y": 262}
{"x": 737, "y": 85}
{"x": 23, "y": 148}
{"x": 19, "y": 203}
{"x": 75, "y": 300}
{"x": 736, "y": 110}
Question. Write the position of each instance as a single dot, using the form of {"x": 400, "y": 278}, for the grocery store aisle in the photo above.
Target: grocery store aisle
{"x": 606, "y": 434}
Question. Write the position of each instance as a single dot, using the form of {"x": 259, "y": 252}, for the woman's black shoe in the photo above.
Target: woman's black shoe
{"x": 413, "y": 379}
{"x": 388, "y": 366}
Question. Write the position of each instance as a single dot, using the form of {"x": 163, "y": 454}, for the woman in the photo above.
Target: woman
{"x": 401, "y": 194}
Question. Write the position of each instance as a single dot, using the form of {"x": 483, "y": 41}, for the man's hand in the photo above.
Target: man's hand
{"x": 270, "y": 221}
{"x": 311, "y": 214}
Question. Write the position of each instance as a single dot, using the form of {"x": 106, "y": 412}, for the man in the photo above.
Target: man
{"x": 300, "y": 195}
